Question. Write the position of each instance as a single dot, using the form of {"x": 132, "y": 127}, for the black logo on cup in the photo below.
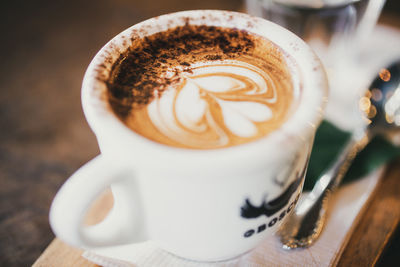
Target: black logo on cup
{"x": 270, "y": 208}
{"x": 250, "y": 211}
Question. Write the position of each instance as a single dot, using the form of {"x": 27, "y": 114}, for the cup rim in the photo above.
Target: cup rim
{"x": 300, "y": 126}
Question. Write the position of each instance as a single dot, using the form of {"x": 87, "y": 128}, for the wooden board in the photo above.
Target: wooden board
{"x": 61, "y": 255}
{"x": 378, "y": 225}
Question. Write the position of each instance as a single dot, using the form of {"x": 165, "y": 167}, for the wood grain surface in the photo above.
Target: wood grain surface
{"x": 378, "y": 225}
{"x": 44, "y": 50}
{"x": 61, "y": 255}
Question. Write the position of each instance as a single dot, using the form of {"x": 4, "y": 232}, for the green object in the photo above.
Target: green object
{"x": 328, "y": 143}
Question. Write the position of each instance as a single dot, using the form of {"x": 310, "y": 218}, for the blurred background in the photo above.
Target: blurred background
{"x": 44, "y": 50}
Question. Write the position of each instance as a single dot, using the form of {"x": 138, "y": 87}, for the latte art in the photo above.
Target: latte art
{"x": 203, "y": 87}
{"x": 213, "y": 103}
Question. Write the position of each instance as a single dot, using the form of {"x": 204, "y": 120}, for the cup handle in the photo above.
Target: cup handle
{"x": 123, "y": 223}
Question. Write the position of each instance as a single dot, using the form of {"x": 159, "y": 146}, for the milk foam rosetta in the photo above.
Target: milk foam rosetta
{"x": 215, "y": 104}
{"x": 215, "y": 100}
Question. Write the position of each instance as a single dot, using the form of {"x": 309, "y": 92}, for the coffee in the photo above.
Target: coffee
{"x": 202, "y": 87}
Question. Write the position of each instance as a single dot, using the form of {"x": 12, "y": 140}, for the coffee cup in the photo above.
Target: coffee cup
{"x": 200, "y": 200}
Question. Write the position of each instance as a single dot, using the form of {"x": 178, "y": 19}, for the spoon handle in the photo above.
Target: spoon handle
{"x": 306, "y": 224}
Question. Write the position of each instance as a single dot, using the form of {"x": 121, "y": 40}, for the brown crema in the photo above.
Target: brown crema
{"x": 168, "y": 62}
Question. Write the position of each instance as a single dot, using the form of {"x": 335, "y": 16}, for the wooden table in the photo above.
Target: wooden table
{"x": 45, "y": 49}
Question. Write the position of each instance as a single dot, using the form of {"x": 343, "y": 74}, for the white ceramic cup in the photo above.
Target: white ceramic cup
{"x": 204, "y": 205}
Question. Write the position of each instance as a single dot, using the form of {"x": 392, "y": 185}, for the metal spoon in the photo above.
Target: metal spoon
{"x": 381, "y": 106}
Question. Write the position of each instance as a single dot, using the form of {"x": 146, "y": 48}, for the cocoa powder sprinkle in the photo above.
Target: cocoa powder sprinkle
{"x": 157, "y": 61}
